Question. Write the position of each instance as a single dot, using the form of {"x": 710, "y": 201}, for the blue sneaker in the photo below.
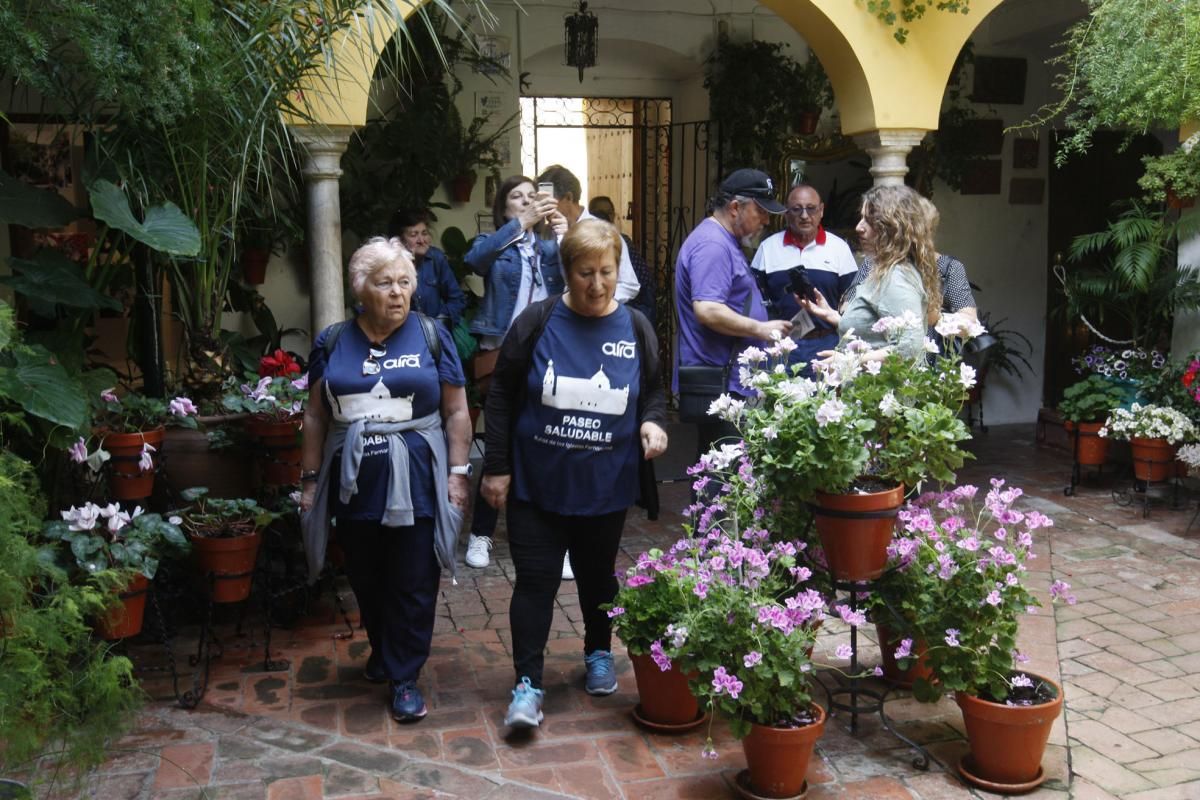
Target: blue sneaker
{"x": 407, "y": 703}
{"x": 601, "y": 672}
{"x": 525, "y": 710}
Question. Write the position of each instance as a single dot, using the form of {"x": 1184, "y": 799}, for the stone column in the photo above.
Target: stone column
{"x": 323, "y": 148}
{"x": 889, "y": 149}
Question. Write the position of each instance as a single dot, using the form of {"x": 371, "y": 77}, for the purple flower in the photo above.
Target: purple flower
{"x": 79, "y": 451}
{"x": 635, "y": 581}
{"x": 905, "y": 649}
{"x": 183, "y": 407}
{"x": 109, "y": 396}
{"x": 146, "y": 462}
{"x": 843, "y": 651}
{"x": 878, "y": 673}
{"x": 726, "y": 682}
{"x": 1061, "y": 590}
{"x": 751, "y": 658}
{"x": 616, "y": 611}
{"x": 700, "y": 590}
{"x": 301, "y": 383}
{"x": 660, "y": 658}
{"x": 993, "y": 598}
{"x": 853, "y": 618}
{"x": 1022, "y": 681}
{"x": 952, "y": 636}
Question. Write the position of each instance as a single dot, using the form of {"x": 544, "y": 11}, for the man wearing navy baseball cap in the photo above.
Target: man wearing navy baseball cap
{"x": 721, "y": 311}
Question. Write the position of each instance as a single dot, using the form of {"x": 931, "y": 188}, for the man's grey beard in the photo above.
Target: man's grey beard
{"x": 750, "y": 241}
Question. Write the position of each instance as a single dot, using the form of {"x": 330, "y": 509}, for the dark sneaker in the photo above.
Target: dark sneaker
{"x": 525, "y": 710}
{"x": 407, "y": 703}
{"x": 601, "y": 672}
{"x": 373, "y": 671}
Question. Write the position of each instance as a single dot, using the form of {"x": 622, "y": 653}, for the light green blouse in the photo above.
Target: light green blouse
{"x": 899, "y": 291}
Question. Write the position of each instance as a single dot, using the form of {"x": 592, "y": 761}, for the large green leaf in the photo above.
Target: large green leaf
{"x": 43, "y": 388}
{"x": 51, "y": 277}
{"x": 22, "y": 204}
{"x": 165, "y": 227}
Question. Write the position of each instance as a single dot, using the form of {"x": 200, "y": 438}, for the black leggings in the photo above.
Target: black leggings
{"x": 538, "y": 540}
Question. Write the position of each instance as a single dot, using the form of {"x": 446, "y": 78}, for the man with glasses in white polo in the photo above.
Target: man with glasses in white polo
{"x": 801, "y": 256}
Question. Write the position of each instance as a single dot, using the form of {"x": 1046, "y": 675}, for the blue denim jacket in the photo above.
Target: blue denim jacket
{"x": 502, "y": 270}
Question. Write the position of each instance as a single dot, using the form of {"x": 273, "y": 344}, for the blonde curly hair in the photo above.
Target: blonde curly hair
{"x": 903, "y": 223}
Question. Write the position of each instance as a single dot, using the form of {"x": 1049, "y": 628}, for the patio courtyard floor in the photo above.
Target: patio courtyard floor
{"x": 1128, "y": 654}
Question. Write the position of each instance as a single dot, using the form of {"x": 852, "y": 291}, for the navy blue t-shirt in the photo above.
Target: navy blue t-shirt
{"x": 575, "y": 448}
{"x": 408, "y": 386}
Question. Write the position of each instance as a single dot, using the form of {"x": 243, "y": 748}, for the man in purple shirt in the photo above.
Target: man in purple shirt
{"x": 720, "y": 309}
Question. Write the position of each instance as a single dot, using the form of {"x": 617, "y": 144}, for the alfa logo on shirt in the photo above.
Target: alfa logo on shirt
{"x": 400, "y": 362}
{"x": 620, "y": 349}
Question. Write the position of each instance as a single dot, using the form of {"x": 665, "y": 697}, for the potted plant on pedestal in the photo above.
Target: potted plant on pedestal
{"x": 967, "y": 610}
{"x": 275, "y": 403}
{"x": 813, "y": 84}
{"x": 130, "y": 429}
{"x": 848, "y": 443}
{"x": 107, "y": 538}
{"x": 471, "y": 151}
{"x": 1084, "y": 407}
{"x": 225, "y": 536}
{"x": 1153, "y": 433}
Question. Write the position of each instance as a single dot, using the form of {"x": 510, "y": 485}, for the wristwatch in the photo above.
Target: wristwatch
{"x": 463, "y": 469}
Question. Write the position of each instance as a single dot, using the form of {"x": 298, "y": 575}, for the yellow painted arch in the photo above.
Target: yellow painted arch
{"x": 879, "y": 83}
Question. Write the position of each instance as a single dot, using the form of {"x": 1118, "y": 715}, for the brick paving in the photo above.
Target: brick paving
{"x": 1128, "y": 655}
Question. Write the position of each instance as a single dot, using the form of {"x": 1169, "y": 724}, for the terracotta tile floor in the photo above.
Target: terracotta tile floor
{"x": 1129, "y": 654}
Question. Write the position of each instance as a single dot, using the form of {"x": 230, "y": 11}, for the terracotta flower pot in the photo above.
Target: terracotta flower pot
{"x": 127, "y": 480}
{"x": 254, "y": 264}
{"x": 190, "y": 462}
{"x": 461, "y": 187}
{"x": 855, "y": 530}
{"x": 1093, "y": 448}
{"x": 903, "y": 678}
{"x": 665, "y": 696}
{"x": 806, "y": 122}
{"x": 1153, "y": 459}
{"x": 279, "y": 460}
{"x": 1007, "y": 742}
{"x": 233, "y": 556}
{"x": 125, "y": 619}
{"x": 778, "y": 757}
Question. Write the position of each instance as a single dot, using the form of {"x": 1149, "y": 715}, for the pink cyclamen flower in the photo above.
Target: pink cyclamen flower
{"x": 109, "y": 396}
{"x": 905, "y": 649}
{"x": 952, "y": 636}
{"x": 79, "y": 451}
{"x": 878, "y": 672}
{"x": 616, "y": 611}
{"x": 146, "y": 462}
{"x": 1021, "y": 681}
{"x": 660, "y": 658}
{"x": 183, "y": 407}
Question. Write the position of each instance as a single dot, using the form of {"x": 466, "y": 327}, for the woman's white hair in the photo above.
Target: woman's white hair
{"x": 375, "y": 254}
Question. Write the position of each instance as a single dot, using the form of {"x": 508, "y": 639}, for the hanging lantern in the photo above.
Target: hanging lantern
{"x": 579, "y": 39}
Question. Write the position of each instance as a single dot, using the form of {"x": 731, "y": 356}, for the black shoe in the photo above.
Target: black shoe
{"x": 407, "y": 703}
{"x": 373, "y": 671}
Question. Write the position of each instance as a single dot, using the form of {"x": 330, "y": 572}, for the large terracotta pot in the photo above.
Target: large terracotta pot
{"x": 125, "y": 618}
{"x": 1092, "y": 448}
{"x": 127, "y": 480}
{"x": 232, "y": 556}
{"x": 855, "y": 530}
{"x": 904, "y": 678}
{"x": 1153, "y": 459}
{"x": 190, "y": 462}
{"x": 254, "y": 264}
{"x": 461, "y": 187}
{"x": 1007, "y": 742}
{"x": 778, "y": 757}
{"x": 665, "y": 696}
{"x": 279, "y": 460}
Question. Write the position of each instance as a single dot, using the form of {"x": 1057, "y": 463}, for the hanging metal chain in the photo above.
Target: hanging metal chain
{"x": 1060, "y": 272}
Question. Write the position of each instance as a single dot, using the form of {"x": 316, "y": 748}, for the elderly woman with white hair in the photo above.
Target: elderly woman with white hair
{"x": 386, "y": 455}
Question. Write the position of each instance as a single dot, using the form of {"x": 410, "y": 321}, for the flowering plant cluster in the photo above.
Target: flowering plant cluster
{"x": 220, "y": 518}
{"x": 280, "y": 364}
{"x": 1149, "y": 422}
{"x": 887, "y": 421}
{"x": 1188, "y": 379}
{"x": 276, "y": 398}
{"x": 105, "y": 537}
{"x": 1189, "y": 454}
{"x": 135, "y": 412}
{"x": 958, "y": 585}
{"x": 1135, "y": 364}
{"x": 730, "y": 606}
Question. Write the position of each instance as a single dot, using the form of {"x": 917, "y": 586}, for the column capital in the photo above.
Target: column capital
{"x": 889, "y": 149}
{"x": 323, "y": 148}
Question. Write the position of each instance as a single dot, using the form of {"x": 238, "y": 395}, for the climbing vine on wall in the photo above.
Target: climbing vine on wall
{"x": 891, "y": 12}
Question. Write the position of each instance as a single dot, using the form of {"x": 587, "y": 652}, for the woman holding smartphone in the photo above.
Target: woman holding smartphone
{"x": 519, "y": 267}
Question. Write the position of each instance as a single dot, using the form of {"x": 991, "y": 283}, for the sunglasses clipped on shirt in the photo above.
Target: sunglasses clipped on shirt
{"x": 372, "y": 366}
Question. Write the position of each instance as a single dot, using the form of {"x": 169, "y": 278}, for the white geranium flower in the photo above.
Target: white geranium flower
{"x": 751, "y": 355}
{"x": 831, "y": 410}
{"x": 889, "y": 406}
{"x": 966, "y": 376}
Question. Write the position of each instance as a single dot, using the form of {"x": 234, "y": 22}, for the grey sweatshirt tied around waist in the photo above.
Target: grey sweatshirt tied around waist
{"x": 398, "y": 509}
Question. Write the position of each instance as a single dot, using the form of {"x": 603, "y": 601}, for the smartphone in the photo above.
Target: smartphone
{"x": 546, "y": 188}
{"x": 801, "y": 285}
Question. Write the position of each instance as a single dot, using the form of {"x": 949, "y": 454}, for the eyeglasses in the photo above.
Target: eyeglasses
{"x": 800, "y": 211}
{"x": 372, "y": 366}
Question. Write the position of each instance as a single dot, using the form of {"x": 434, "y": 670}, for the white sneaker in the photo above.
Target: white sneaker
{"x": 567, "y": 574}
{"x": 478, "y": 548}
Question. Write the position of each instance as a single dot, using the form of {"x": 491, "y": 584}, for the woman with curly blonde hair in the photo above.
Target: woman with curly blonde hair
{"x": 896, "y": 231}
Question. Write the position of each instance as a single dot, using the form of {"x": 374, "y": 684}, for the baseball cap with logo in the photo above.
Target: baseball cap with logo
{"x": 756, "y": 185}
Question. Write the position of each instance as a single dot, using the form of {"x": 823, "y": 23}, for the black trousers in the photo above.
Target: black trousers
{"x": 538, "y": 540}
{"x": 394, "y": 574}
{"x": 483, "y": 516}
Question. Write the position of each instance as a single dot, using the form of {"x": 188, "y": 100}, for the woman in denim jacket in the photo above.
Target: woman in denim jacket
{"x": 520, "y": 267}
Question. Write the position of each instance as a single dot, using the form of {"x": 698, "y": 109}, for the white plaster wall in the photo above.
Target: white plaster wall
{"x": 1186, "y": 338}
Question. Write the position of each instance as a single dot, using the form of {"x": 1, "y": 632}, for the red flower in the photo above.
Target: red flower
{"x": 277, "y": 365}
{"x": 1188, "y": 378}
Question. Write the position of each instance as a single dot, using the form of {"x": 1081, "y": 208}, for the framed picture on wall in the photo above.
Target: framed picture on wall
{"x": 496, "y": 52}
{"x": 488, "y": 103}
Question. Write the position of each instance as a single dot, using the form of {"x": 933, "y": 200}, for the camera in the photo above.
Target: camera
{"x": 801, "y": 285}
